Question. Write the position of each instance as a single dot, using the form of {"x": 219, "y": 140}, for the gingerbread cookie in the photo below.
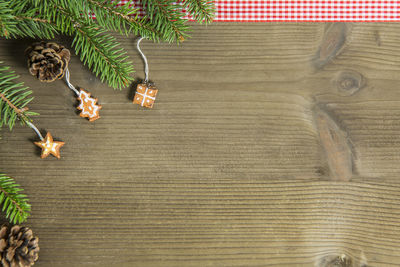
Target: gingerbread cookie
{"x": 49, "y": 146}
{"x": 88, "y": 106}
{"x": 145, "y": 95}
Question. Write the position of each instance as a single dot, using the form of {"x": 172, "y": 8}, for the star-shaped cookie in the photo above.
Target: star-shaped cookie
{"x": 49, "y": 146}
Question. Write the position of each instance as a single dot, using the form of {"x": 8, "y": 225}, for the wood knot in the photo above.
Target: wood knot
{"x": 349, "y": 82}
{"x": 332, "y": 43}
{"x": 335, "y": 144}
{"x": 335, "y": 261}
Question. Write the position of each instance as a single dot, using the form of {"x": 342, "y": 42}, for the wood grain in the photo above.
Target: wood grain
{"x": 228, "y": 168}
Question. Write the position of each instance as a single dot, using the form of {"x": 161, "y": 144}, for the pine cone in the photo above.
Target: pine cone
{"x": 18, "y": 247}
{"x": 47, "y": 61}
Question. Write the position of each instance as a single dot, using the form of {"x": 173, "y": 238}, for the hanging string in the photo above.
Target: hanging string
{"x": 146, "y": 66}
{"x": 70, "y": 85}
{"x": 35, "y": 129}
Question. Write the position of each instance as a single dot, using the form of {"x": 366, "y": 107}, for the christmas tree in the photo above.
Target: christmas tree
{"x": 92, "y": 24}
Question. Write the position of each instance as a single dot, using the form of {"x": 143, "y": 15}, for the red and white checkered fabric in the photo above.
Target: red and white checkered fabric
{"x": 306, "y": 10}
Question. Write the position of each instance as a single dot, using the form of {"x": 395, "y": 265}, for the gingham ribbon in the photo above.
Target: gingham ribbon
{"x": 311, "y": 10}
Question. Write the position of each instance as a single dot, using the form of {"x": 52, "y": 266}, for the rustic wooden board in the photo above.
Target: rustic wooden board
{"x": 268, "y": 145}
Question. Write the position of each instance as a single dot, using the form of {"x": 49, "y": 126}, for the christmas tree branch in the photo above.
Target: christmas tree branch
{"x": 164, "y": 21}
{"x": 33, "y": 27}
{"x": 17, "y": 110}
{"x": 6, "y": 19}
{"x": 167, "y": 18}
{"x": 100, "y": 52}
{"x": 14, "y": 203}
{"x": 120, "y": 19}
{"x": 33, "y": 19}
{"x": 13, "y": 99}
{"x": 201, "y": 10}
{"x": 97, "y": 49}
{"x": 60, "y": 17}
{"x": 20, "y": 21}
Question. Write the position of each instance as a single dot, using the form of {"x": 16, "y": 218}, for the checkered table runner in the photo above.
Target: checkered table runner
{"x": 311, "y": 10}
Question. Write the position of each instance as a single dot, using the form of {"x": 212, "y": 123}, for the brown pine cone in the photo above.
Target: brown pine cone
{"x": 47, "y": 61}
{"x": 18, "y": 246}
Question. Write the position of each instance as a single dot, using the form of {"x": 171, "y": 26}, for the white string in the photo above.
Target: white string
{"x": 69, "y": 84}
{"x": 146, "y": 66}
{"x": 35, "y": 129}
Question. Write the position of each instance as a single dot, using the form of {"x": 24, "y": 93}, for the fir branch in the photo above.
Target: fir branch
{"x": 120, "y": 18}
{"x": 167, "y": 16}
{"x": 62, "y": 19}
{"x": 13, "y": 202}
{"x": 32, "y": 19}
{"x": 33, "y": 27}
{"x": 6, "y": 19}
{"x": 13, "y": 99}
{"x": 100, "y": 52}
{"x": 200, "y": 10}
{"x": 96, "y": 48}
{"x": 108, "y": 15}
{"x": 17, "y": 19}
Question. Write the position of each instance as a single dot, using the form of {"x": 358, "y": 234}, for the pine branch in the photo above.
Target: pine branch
{"x": 120, "y": 18}
{"x": 28, "y": 26}
{"x": 62, "y": 18}
{"x": 108, "y": 15}
{"x": 200, "y": 10}
{"x": 14, "y": 203}
{"x": 13, "y": 99}
{"x": 17, "y": 19}
{"x": 97, "y": 49}
{"x": 100, "y": 52}
{"x": 167, "y": 16}
{"x": 6, "y": 20}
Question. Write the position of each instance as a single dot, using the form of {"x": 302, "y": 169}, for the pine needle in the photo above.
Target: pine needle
{"x": 14, "y": 204}
{"x": 101, "y": 53}
{"x": 14, "y": 97}
{"x": 200, "y": 10}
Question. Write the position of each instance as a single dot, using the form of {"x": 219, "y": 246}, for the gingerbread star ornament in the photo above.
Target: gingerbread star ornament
{"x": 49, "y": 146}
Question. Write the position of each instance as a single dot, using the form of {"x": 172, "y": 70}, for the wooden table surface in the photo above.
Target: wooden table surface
{"x": 269, "y": 145}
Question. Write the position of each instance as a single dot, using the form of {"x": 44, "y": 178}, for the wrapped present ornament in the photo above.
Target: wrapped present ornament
{"x": 145, "y": 92}
{"x": 48, "y": 62}
{"x": 145, "y": 95}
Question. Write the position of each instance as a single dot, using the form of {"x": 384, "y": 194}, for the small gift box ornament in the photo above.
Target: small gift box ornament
{"x": 145, "y": 92}
{"x": 145, "y": 95}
